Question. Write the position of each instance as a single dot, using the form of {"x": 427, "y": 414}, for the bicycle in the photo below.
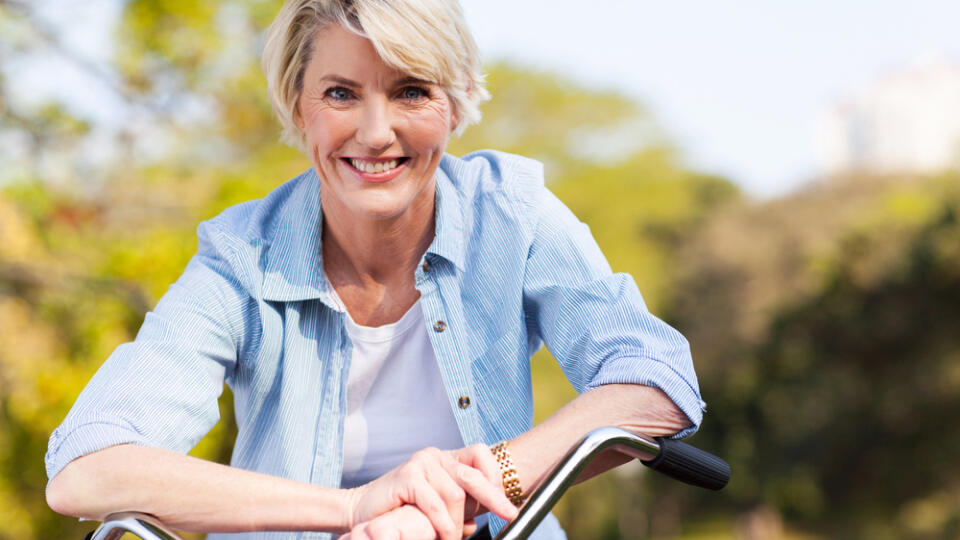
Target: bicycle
{"x": 676, "y": 459}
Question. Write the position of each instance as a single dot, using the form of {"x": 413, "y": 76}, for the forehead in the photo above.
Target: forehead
{"x": 340, "y": 52}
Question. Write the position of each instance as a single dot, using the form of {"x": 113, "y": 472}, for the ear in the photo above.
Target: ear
{"x": 454, "y": 117}
{"x": 297, "y": 117}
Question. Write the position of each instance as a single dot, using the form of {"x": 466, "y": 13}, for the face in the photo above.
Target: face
{"x": 374, "y": 134}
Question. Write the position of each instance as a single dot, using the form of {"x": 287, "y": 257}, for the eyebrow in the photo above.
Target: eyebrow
{"x": 410, "y": 80}
{"x": 340, "y": 80}
{"x": 347, "y": 82}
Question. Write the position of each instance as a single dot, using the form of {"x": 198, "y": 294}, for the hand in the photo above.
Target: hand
{"x": 438, "y": 484}
{"x": 404, "y": 523}
{"x": 479, "y": 457}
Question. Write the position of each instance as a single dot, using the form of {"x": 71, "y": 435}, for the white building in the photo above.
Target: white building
{"x": 908, "y": 121}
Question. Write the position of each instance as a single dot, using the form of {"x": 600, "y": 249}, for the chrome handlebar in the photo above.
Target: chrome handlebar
{"x": 145, "y": 526}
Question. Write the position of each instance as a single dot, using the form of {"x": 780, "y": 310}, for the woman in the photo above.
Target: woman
{"x": 376, "y": 309}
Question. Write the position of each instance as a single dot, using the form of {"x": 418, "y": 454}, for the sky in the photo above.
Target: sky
{"x": 737, "y": 86}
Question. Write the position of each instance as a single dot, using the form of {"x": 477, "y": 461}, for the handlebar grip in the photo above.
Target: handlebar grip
{"x": 689, "y": 464}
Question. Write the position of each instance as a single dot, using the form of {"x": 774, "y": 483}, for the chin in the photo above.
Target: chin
{"x": 378, "y": 209}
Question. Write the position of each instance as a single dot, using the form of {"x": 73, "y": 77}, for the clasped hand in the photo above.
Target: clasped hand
{"x": 435, "y": 494}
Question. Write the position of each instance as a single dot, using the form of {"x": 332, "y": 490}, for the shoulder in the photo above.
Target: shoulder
{"x": 238, "y": 240}
{"x": 491, "y": 170}
{"x": 255, "y": 222}
{"x": 488, "y": 179}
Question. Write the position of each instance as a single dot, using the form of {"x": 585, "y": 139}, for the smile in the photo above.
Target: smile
{"x": 375, "y": 166}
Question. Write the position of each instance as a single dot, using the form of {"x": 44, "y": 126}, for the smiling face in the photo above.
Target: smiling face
{"x": 375, "y": 135}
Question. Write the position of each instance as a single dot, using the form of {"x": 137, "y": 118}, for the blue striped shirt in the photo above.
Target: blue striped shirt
{"x": 510, "y": 267}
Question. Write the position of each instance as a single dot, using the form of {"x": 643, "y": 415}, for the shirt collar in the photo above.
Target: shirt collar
{"x": 294, "y": 258}
{"x": 449, "y": 241}
{"x": 294, "y": 265}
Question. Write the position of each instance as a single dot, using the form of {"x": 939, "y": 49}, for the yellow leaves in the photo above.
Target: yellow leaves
{"x": 157, "y": 37}
{"x": 20, "y": 242}
{"x": 14, "y": 515}
{"x": 30, "y": 353}
{"x": 153, "y": 258}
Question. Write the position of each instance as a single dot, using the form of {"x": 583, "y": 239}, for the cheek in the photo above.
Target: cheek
{"x": 431, "y": 129}
{"x": 327, "y": 130}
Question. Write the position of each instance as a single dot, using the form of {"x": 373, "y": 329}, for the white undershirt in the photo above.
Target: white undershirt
{"x": 396, "y": 401}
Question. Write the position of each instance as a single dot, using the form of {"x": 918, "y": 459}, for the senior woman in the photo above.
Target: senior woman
{"x": 375, "y": 317}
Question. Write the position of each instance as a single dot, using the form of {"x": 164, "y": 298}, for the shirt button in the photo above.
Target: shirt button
{"x": 426, "y": 266}
{"x": 439, "y": 326}
{"x": 464, "y": 402}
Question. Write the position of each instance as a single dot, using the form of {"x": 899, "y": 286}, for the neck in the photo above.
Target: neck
{"x": 360, "y": 250}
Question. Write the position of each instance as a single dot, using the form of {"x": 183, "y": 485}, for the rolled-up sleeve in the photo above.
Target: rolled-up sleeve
{"x": 161, "y": 389}
{"x": 595, "y": 322}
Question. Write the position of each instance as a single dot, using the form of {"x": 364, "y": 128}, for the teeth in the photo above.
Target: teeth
{"x": 373, "y": 167}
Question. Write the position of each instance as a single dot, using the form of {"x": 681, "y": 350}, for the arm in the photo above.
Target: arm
{"x": 642, "y": 410}
{"x": 123, "y": 444}
{"x": 196, "y": 495}
{"x": 632, "y": 370}
{"x": 192, "y": 494}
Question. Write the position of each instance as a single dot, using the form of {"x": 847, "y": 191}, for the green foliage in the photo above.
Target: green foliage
{"x": 838, "y": 411}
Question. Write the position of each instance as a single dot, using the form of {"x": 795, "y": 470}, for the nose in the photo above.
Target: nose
{"x": 376, "y": 129}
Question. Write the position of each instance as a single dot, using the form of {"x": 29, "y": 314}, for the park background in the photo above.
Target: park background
{"x": 822, "y": 304}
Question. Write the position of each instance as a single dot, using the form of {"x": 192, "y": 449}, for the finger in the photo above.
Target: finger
{"x": 426, "y": 498}
{"x": 449, "y": 489}
{"x": 403, "y": 523}
{"x": 469, "y": 527}
{"x": 384, "y": 527}
{"x": 359, "y": 532}
{"x": 491, "y": 497}
{"x": 450, "y": 492}
{"x": 479, "y": 457}
{"x": 412, "y": 524}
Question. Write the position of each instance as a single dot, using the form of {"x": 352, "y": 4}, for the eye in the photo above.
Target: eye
{"x": 413, "y": 93}
{"x": 339, "y": 93}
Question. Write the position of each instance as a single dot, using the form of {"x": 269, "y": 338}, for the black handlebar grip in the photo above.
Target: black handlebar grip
{"x": 690, "y": 464}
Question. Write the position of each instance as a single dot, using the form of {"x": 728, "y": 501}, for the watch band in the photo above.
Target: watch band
{"x": 511, "y": 480}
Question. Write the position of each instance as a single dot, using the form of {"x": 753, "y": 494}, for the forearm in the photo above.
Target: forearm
{"x": 192, "y": 494}
{"x": 642, "y": 410}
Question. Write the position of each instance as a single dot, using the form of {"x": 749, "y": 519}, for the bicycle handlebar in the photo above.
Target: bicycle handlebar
{"x": 145, "y": 526}
{"x": 673, "y": 458}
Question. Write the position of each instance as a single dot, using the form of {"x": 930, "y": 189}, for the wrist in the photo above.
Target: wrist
{"x": 508, "y": 471}
{"x": 350, "y": 501}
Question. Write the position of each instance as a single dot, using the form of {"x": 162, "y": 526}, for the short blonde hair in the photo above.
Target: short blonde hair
{"x": 426, "y": 39}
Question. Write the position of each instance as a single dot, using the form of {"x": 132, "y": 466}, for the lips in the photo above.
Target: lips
{"x": 376, "y": 169}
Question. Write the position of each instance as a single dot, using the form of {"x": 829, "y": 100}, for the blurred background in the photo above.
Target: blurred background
{"x": 782, "y": 181}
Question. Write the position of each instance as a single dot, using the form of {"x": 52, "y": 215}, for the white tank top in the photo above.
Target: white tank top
{"x": 396, "y": 401}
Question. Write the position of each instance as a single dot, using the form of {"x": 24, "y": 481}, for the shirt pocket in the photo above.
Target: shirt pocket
{"x": 501, "y": 375}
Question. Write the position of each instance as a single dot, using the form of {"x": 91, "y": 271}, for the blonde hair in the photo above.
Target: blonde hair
{"x": 426, "y": 39}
